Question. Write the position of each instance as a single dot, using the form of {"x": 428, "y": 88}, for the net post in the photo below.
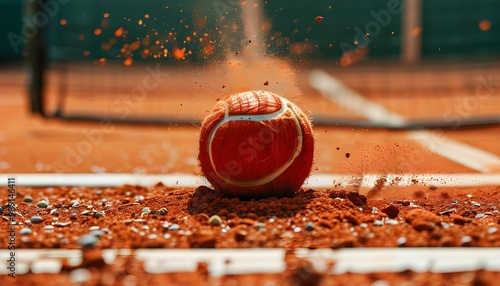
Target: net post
{"x": 412, "y": 30}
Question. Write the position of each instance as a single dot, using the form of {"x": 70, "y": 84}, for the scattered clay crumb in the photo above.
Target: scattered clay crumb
{"x": 418, "y": 194}
{"x": 379, "y": 184}
{"x": 391, "y": 210}
{"x": 395, "y": 181}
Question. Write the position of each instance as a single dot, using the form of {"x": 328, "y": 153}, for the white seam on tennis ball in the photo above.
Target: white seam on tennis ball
{"x": 277, "y": 172}
{"x": 227, "y": 118}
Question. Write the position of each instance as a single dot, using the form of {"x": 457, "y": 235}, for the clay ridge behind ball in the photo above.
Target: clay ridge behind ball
{"x": 256, "y": 144}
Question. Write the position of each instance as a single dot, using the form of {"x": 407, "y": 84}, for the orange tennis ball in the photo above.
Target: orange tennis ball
{"x": 256, "y": 144}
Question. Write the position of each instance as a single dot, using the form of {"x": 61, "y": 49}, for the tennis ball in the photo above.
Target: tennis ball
{"x": 256, "y": 144}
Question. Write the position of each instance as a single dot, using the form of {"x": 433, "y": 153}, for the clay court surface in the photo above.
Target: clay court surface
{"x": 31, "y": 144}
{"x": 371, "y": 187}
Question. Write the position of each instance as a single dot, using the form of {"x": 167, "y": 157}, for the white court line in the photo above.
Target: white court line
{"x": 466, "y": 155}
{"x": 271, "y": 260}
{"x": 180, "y": 180}
{"x": 343, "y": 96}
{"x": 177, "y": 180}
{"x": 459, "y": 152}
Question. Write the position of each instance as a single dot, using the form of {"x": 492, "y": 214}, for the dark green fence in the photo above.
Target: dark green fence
{"x": 454, "y": 27}
{"x": 11, "y": 13}
{"x": 113, "y": 29}
{"x": 343, "y": 27}
{"x": 90, "y": 29}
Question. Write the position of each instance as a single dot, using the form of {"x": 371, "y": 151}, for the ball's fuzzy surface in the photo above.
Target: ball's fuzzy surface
{"x": 256, "y": 144}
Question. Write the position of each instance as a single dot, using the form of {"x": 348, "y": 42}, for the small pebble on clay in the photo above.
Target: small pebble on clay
{"x": 25, "y": 231}
{"x": 97, "y": 233}
{"x": 466, "y": 240}
{"x": 80, "y": 276}
{"x": 42, "y": 204}
{"x": 36, "y": 219}
{"x": 401, "y": 241}
{"x": 88, "y": 240}
{"x": 260, "y": 226}
{"x": 162, "y": 211}
{"x": 215, "y": 220}
{"x": 99, "y": 214}
{"x": 86, "y": 212}
{"x": 309, "y": 226}
{"x": 174, "y": 227}
{"x": 62, "y": 224}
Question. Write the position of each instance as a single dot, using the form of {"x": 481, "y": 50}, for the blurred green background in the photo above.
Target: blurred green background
{"x": 91, "y": 29}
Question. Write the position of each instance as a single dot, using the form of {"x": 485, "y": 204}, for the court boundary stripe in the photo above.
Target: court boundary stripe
{"x": 182, "y": 180}
{"x": 271, "y": 260}
{"x": 458, "y": 152}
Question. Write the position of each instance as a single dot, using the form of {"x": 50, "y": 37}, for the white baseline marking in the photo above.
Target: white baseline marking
{"x": 177, "y": 180}
{"x": 469, "y": 156}
{"x": 462, "y": 153}
{"x": 180, "y": 180}
{"x": 247, "y": 261}
{"x": 342, "y": 95}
